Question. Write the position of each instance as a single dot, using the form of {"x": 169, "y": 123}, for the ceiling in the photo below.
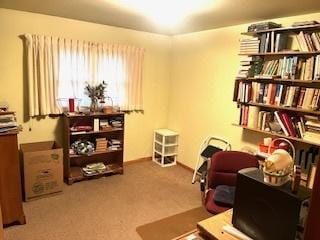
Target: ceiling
{"x": 117, "y": 13}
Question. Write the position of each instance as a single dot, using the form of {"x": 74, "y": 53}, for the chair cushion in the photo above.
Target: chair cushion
{"x": 224, "y": 195}
{"x": 211, "y": 206}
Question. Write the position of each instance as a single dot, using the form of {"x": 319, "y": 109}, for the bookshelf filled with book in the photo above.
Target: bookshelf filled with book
{"x": 277, "y": 88}
{"x": 93, "y": 145}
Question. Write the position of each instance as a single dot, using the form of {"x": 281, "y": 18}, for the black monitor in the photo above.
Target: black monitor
{"x": 266, "y": 212}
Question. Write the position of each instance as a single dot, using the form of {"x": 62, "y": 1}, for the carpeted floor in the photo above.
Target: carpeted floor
{"x": 110, "y": 208}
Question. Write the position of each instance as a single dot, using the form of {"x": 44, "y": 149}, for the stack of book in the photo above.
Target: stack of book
{"x": 114, "y": 144}
{"x": 249, "y": 67}
{"x": 312, "y": 129}
{"x": 8, "y": 122}
{"x": 263, "y": 26}
{"x": 250, "y": 45}
{"x": 304, "y": 23}
{"x": 104, "y": 124}
{"x": 101, "y": 145}
{"x": 116, "y": 123}
{"x": 94, "y": 169}
{"x": 308, "y": 42}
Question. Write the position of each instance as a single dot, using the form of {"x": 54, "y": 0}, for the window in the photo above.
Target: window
{"x": 60, "y": 68}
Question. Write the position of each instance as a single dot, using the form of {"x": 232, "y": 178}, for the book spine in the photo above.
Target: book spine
{"x": 288, "y": 124}
{"x": 276, "y": 113}
{"x": 295, "y": 97}
{"x": 301, "y": 97}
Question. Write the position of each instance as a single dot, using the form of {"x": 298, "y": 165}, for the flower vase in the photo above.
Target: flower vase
{"x": 94, "y": 107}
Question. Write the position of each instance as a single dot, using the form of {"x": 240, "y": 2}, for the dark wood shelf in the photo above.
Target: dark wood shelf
{"x": 278, "y": 135}
{"x": 74, "y": 133}
{"x": 280, "y": 80}
{"x": 95, "y": 153}
{"x": 297, "y": 29}
{"x": 77, "y": 174}
{"x": 292, "y": 109}
{"x": 290, "y": 53}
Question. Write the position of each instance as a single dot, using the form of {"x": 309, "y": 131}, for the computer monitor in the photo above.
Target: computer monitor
{"x": 266, "y": 212}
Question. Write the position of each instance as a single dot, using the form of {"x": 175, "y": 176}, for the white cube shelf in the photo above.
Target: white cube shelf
{"x": 165, "y": 147}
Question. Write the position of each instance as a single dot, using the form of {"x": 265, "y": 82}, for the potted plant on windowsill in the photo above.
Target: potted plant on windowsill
{"x": 96, "y": 94}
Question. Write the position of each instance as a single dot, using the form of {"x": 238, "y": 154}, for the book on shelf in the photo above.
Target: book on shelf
{"x": 308, "y": 42}
{"x": 249, "y": 45}
{"x": 278, "y": 95}
{"x": 96, "y": 124}
{"x": 303, "y": 127}
{"x": 311, "y": 137}
{"x": 305, "y": 23}
{"x": 288, "y": 67}
{"x": 316, "y": 75}
{"x": 249, "y": 66}
{"x": 253, "y": 113}
{"x": 315, "y": 37}
{"x": 281, "y": 122}
{"x": 280, "y": 42}
{"x": 263, "y": 26}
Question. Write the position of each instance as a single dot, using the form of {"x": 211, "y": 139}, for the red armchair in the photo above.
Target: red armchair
{"x": 223, "y": 170}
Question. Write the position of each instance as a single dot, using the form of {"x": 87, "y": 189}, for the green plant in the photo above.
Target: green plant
{"x": 96, "y": 92}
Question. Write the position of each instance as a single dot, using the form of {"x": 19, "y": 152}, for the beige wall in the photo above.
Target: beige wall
{"x": 139, "y": 127}
{"x": 203, "y": 71}
{"x": 188, "y": 81}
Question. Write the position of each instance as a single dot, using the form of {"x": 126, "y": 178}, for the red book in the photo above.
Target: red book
{"x": 288, "y": 124}
{"x": 273, "y": 94}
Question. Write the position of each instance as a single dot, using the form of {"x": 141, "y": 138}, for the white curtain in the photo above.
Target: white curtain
{"x": 60, "y": 68}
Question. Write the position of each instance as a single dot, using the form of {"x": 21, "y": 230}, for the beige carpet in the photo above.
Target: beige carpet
{"x": 110, "y": 208}
{"x": 173, "y": 226}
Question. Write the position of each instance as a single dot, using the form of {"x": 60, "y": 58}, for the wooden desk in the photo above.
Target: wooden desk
{"x": 212, "y": 227}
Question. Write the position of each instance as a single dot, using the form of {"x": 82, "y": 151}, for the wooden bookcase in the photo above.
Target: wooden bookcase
{"x": 271, "y": 55}
{"x": 111, "y": 158}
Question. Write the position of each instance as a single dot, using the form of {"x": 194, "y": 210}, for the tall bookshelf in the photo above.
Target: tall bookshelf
{"x": 276, "y": 80}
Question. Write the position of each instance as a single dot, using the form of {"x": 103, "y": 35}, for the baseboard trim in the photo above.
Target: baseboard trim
{"x": 145, "y": 159}
{"x": 185, "y": 166}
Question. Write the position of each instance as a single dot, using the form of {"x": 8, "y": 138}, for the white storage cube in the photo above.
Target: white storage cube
{"x": 165, "y": 147}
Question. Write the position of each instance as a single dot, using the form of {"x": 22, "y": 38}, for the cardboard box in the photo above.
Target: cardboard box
{"x": 42, "y": 168}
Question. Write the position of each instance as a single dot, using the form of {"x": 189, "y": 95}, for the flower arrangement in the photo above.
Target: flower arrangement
{"x": 96, "y": 93}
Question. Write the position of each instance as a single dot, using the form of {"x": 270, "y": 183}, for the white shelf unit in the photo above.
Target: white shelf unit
{"x": 165, "y": 147}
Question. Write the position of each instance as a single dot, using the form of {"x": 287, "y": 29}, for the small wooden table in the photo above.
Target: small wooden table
{"x": 212, "y": 227}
